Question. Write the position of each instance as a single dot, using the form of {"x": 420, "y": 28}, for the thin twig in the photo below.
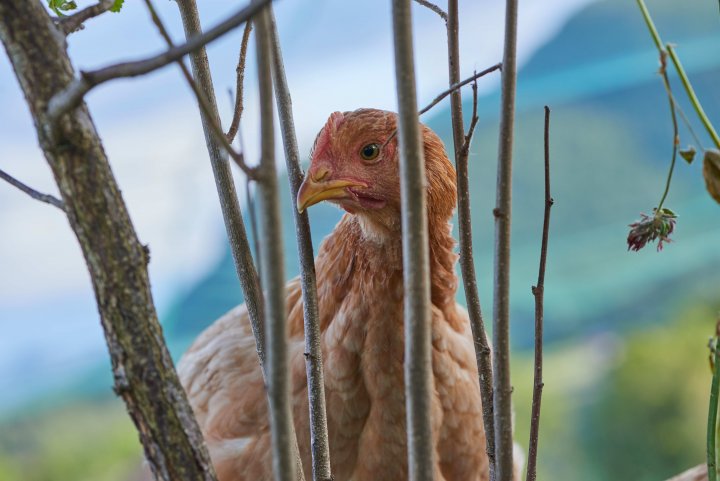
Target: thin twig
{"x": 415, "y": 249}
{"x": 319, "y": 442}
{"x": 240, "y": 70}
{"x": 47, "y": 198}
{"x": 71, "y": 96}
{"x": 453, "y": 87}
{"x": 250, "y": 201}
{"x": 693, "y": 97}
{"x": 503, "y": 213}
{"x": 688, "y": 125}
{"x": 676, "y": 136}
{"x": 74, "y": 22}
{"x": 447, "y": 92}
{"x": 538, "y": 291}
{"x": 461, "y": 142}
{"x": 434, "y": 8}
{"x": 216, "y": 129}
{"x": 273, "y": 278}
{"x": 473, "y": 122}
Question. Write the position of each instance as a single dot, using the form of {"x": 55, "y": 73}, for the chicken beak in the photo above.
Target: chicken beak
{"x": 311, "y": 191}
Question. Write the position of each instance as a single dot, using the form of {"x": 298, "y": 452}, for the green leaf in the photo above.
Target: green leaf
{"x": 60, "y": 6}
{"x": 65, "y": 6}
{"x": 117, "y": 5}
{"x": 688, "y": 154}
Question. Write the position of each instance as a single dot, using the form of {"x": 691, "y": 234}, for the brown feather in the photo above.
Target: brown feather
{"x": 360, "y": 296}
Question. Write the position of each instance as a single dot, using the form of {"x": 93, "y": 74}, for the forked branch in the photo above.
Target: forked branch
{"x": 461, "y": 143}
{"x": 74, "y": 22}
{"x": 216, "y": 129}
{"x": 455, "y": 86}
{"x": 70, "y": 97}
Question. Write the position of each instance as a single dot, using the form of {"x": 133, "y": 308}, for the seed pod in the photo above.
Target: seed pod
{"x": 711, "y": 172}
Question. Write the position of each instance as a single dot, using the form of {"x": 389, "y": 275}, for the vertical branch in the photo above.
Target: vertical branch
{"x": 467, "y": 266}
{"x": 503, "y": 210}
{"x": 538, "y": 290}
{"x": 416, "y": 271}
{"x": 239, "y": 89}
{"x": 273, "y": 277}
{"x": 313, "y": 353}
{"x": 232, "y": 216}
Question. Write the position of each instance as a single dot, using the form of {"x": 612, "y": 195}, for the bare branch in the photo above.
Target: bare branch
{"x": 461, "y": 142}
{"x": 70, "y": 97}
{"x": 47, "y": 198}
{"x": 473, "y": 122}
{"x": 538, "y": 291}
{"x": 232, "y": 216}
{"x": 216, "y": 129}
{"x": 455, "y": 86}
{"x": 313, "y": 360}
{"x": 503, "y": 211}
{"x": 74, "y": 22}
{"x": 273, "y": 277}
{"x": 416, "y": 267}
{"x": 434, "y": 8}
{"x": 240, "y": 70}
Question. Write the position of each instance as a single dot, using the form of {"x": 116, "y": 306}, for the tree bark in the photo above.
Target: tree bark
{"x": 144, "y": 374}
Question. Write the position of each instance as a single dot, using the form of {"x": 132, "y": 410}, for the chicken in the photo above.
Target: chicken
{"x": 354, "y": 164}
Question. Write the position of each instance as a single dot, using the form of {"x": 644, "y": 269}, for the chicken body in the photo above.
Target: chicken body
{"x": 360, "y": 297}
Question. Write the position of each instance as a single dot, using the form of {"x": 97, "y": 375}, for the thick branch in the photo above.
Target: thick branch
{"x": 234, "y": 225}
{"x": 461, "y": 143}
{"x": 240, "y": 71}
{"x": 503, "y": 210}
{"x": 416, "y": 270}
{"x": 313, "y": 358}
{"x": 273, "y": 277}
{"x": 538, "y": 291}
{"x": 144, "y": 374}
{"x": 74, "y": 22}
{"x": 47, "y": 198}
{"x": 76, "y": 89}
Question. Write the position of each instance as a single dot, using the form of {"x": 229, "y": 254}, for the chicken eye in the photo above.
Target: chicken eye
{"x": 370, "y": 151}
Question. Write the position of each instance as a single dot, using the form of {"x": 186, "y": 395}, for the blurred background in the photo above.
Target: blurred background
{"x": 626, "y": 376}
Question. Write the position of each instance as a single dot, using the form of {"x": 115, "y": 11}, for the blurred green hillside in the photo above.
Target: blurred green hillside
{"x": 626, "y": 373}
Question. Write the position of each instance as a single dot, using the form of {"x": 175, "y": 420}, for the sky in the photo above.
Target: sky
{"x": 338, "y": 56}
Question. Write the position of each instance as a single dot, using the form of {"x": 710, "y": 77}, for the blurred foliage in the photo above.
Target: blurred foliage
{"x": 623, "y": 408}
{"x": 83, "y": 442}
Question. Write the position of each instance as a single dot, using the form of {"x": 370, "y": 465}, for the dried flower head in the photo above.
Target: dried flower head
{"x": 658, "y": 227}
